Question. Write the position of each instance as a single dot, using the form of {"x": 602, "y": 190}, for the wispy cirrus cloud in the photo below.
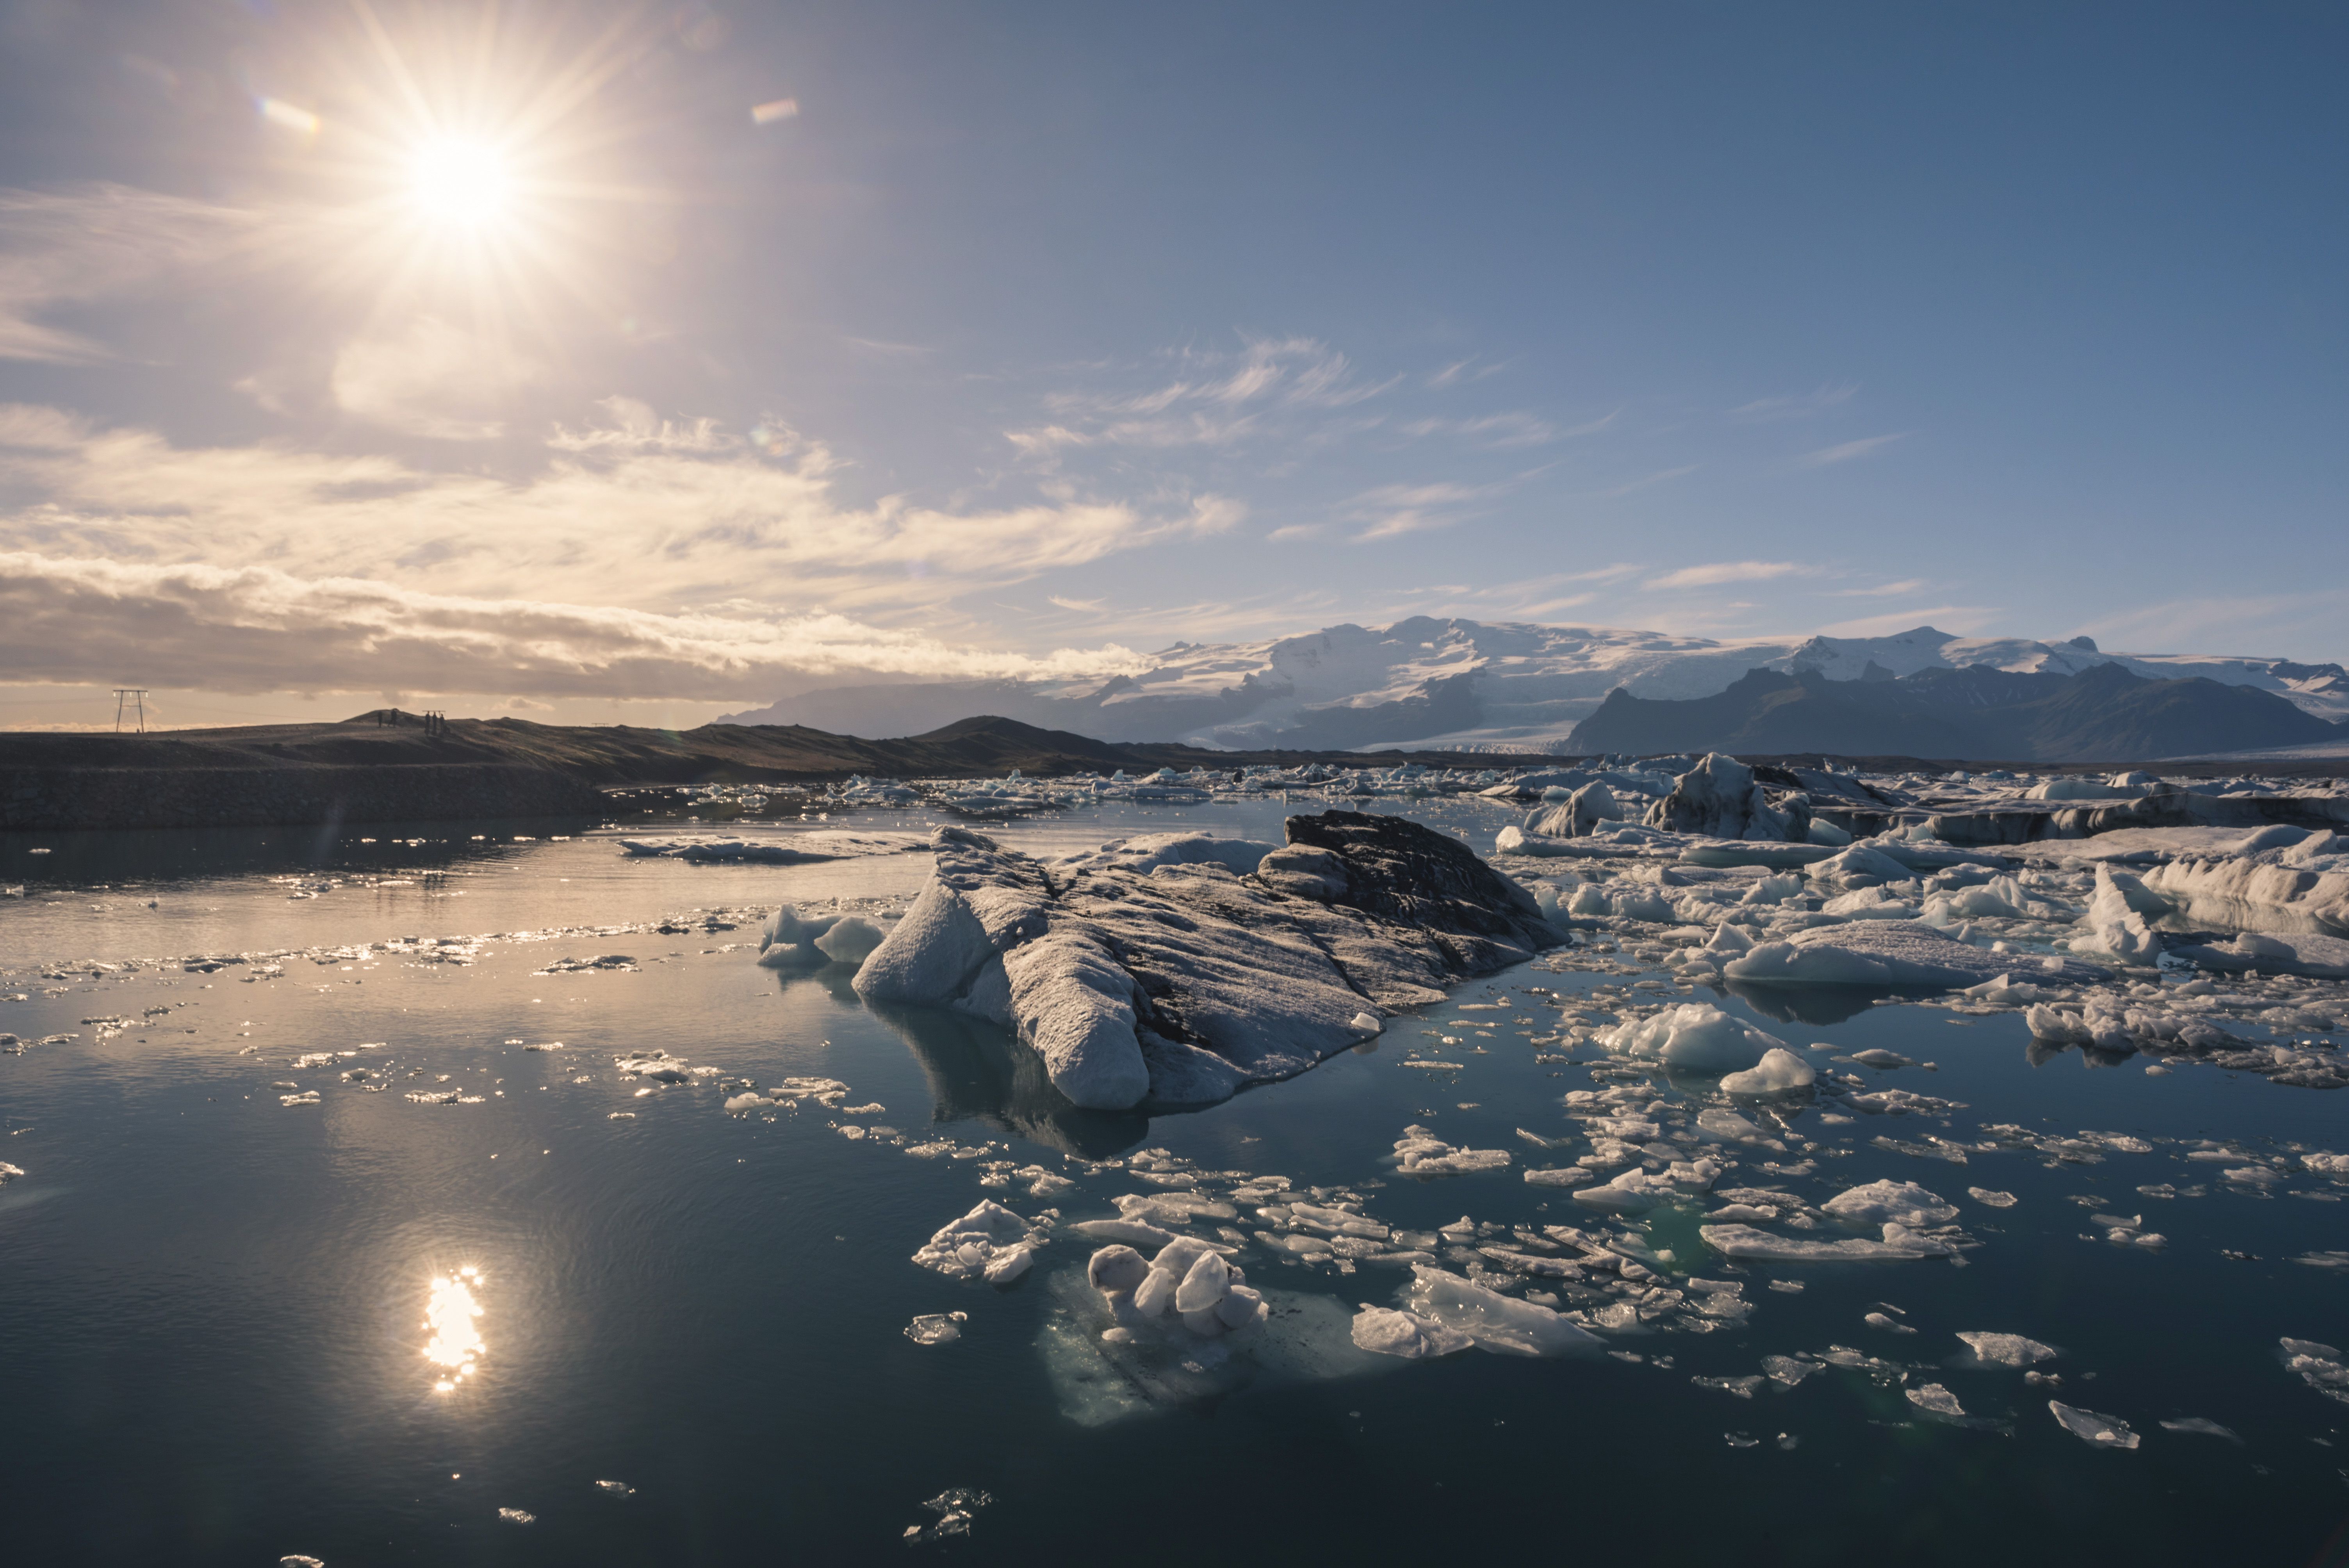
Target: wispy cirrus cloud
{"x": 64, "y": 248}
{"x": 1502, "y": 431}
{"x": 1844, "y": 452}
{"x": 1712, "y": 575}
{"x": 1883, "y": 590}
{"x": 1388, "y": 511}
{"x": 1958, "y": 618}
{"x": 1794, "y": 406}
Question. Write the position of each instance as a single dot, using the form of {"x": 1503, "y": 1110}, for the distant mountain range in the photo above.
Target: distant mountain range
{"x": 2105, "y": 713}
{"x": 1471, "y": 685}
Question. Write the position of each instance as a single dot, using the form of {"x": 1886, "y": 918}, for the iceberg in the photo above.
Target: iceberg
{"x": 1720, "y": 799}
{"x": 1492, "y": 1321}
{"x": 1895, "y": 953}
{"x": 1696, "y": 1036}
{"x": 1179, "y": 984}
{"x": 1901, "y": 1202}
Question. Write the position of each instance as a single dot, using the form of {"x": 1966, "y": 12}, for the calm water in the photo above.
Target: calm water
{"x": 220, "y": 1313}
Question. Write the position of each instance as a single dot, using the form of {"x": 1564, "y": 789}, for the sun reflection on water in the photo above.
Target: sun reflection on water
{"x": 452, "y": 1314}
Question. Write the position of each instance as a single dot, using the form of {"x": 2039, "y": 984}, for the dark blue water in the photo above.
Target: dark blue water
{"x": 212, "y": 1305}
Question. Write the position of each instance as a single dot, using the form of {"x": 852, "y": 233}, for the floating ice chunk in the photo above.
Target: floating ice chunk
{"x": 1008, "y": 1264}
{"x": 1881, "y": 1059}
{"x": 936, "y": 1327}
{"x": 1421, "y": 1153}
{"x": 2112, "y": 926}
{"x": 9, "y": 1172}
{"x": 1787, "y": 1371}
{"x": 1780, "y": 1071}
{"x": 1495, "y": 1322}
{"x": 964, "y": 1248}
{"x": 1632, "y": 1191}
{"x": 1131, "y": 1230}
{"x": 1891, "y": 952}
{"x": 1387, "y": 1332}
{"x": 1886, "y": 1322}
{"x": 1204, "y": 1285}
{"x": 1744, "y": 1242}
{"x": 2008, "y": 1349}
{"x": 1369, "y": 1023}
{"x": 1935, "y": 1399}
{"x": 517, "y": 1516}
{"x": 1742, "y": 1387}
{"x": 307, "y": 1097}
{"x": 850, "y": 940}
{"x": 738, "y": 1104}
{"x": 1116, "y": 1270}
{"x": 2326, "y": 1163}
{"x": 955, "y": 1507}
{"x": 2096, "y": 1431}
{"x": 1900, "y": 1202}
{"x": 1156, "y": 1293}
{"x": 298, "y": 1560}
{"x": 2201, "y": 1426}
{"x": 1241, "y": 1308}
{"x": 616, "y": 1488}
{"x": 2319, "y": 1366}
{"x": 1695, "y": 1037}
{"x": 2310, "y": 953}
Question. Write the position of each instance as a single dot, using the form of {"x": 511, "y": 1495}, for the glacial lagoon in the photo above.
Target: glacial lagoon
{"x": 380, "y": 1203}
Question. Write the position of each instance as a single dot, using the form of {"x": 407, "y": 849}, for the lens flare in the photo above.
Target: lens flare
{"x": 460, "y": 181}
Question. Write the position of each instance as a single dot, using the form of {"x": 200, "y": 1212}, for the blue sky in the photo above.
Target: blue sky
{"x": 1028, "y": 337}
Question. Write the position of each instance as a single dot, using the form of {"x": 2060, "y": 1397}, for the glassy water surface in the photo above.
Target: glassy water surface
{"x": 489, "y": 1298}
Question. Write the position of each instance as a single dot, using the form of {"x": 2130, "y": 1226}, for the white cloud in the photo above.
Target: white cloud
{"x": 433, "y": 379}
{"x": 1714, "y": 573}
{"x": 1827, "y": 456}
{"x": 639, "y": 510}
{"x": 1391, "y": 511}
{"x": 68, "y": 619}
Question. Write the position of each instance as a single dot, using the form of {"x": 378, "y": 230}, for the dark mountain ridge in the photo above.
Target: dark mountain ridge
{"x": 2103, "y": 714}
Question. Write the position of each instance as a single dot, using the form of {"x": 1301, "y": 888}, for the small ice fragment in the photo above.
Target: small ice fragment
{"x": 517, "y": 1516}
{"x": 297, "y": 1560}
{"x": 308, "y": 1097}
{"x": 2201, "y": 1426}
{"x": 935, "y": 1328}
{"x": 616, "y": 1488}
{"x": 1888, "y": 1325}
{"x": 1009, "y": 1264}
{"x": 1204, "y": 1285}
{"x": 2097, "y": 1431}
{"x": 1241, "y": 1308}
{"x": 1369, "y": 1024}
{"x": 1786, "y": 1371}
{"x": 1742, "y": 1387}
{"x": 1934, "y": 1398}
{"x": 1883, "y": 1060}
{"x": 850, "y": 940}
{"x": 955, "y": 1507}
{"x": 1989, "y": 1199}
{"x": 1740, "y": 1441}
{"x": 2008, "y": 1349}
{"x": 1778, "y": 1071}
{"x": 1156, "y": 1292}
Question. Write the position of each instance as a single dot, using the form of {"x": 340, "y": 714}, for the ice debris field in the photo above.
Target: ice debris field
{"x": 1649, "y": 1066}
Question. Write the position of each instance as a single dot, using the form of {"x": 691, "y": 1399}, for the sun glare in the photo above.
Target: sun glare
{"x": 462, "y": 181}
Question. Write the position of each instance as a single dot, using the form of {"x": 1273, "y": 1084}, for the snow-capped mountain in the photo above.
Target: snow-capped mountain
{"x": 1466, "y": 684}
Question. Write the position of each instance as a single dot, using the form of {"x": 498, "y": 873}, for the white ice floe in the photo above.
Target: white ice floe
{"x": 1695, "y": 1037}
{"x": 1894, "y": 953}
{"x": 1389, "y": 1332}
{"x": 1899, "y": 1243}
{"x": 2259, "y": 891}
{"x": 2317, "y": 1365}
{"x": 2201, "y": 1426}
{"x": 2008, "y": 1349}
{"x": 791, "y": 849}
{"x": 1420, "y": 1152}
{"x": 1900, "y": 1202}
{"x": 1720, "y": 798}
{"x": 1779, "y": 1071}
{"x": 936, "y": 1327}
{"x": 1990, "y": 1199}
{"x": 990, "y": 1242}
{"x": 1146, "y": 852}
{"x": 1934, "y": 1399}
{"x": 1490, "y": 1320}
{"x": 2096, "y": 1430}
{"x": 2299, "y": 953}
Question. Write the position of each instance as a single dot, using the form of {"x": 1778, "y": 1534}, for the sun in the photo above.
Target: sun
{"x": 461, "y": 180}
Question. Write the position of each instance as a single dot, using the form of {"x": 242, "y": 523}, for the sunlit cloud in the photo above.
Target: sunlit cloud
{"x": 1714, "y": 574}
{"x": 64, "y": 248}
{"x": 1391, "y": 511}
{"x": 67, "y": 621}
{"x": 1883, "y": 590}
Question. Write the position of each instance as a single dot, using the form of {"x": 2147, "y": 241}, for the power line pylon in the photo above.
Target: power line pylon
{"x": 136, "y": 697}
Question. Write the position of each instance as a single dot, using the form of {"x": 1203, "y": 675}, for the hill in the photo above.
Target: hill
{"x": 2103, "y": 714}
